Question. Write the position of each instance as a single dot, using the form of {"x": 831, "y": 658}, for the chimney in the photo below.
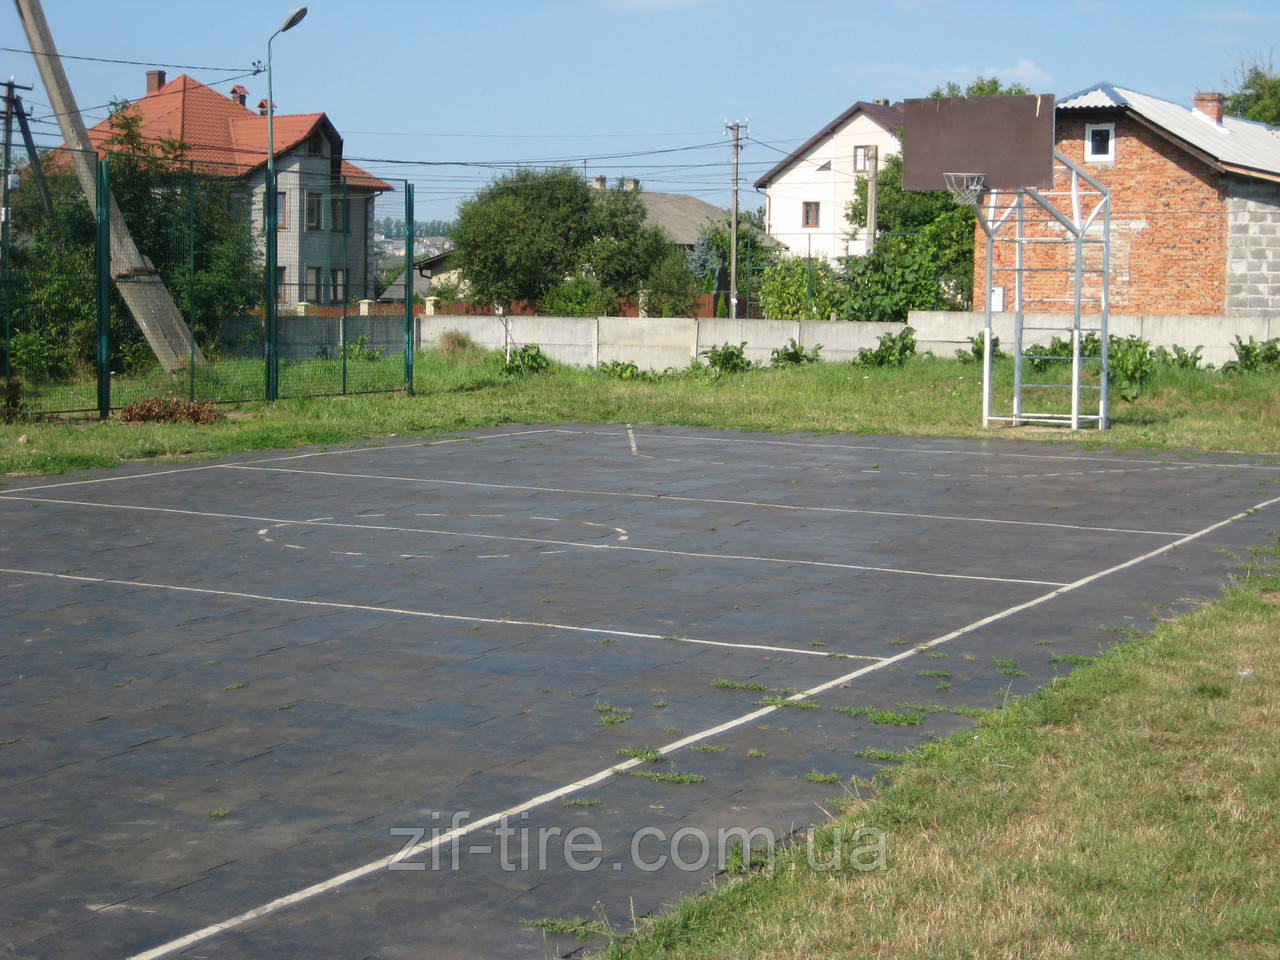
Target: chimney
{"x": 155, "y": 80}
{"x": 239, "y": 94}
{"x": 881, "y": 101}
{"x": 601, "y": 181}
{"x": 262, "y": 107}
{"x": 1210, "y": 104}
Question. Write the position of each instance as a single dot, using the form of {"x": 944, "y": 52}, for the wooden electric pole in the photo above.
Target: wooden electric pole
{"x": 137, "y": 279}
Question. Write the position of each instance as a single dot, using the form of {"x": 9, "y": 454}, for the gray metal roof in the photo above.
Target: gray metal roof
{"x": 1240, "y": 145}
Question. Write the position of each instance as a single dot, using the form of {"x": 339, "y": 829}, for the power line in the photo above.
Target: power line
{"x": 129, "y": 63}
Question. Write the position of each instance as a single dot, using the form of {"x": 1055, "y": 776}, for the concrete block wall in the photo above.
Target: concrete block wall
{"x": 1253, "y": 249}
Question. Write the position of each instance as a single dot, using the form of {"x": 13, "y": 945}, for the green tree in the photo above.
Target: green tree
{"x": 1255, "y": 94}
{"x": 531, "y": 231}
{"x": 523, "y": 234}
{"x": 178, "y": 217}
{"x": 672, "y": 288}
{"x": 623, "y": 250}
{"x": 982, "y": 87}
{"x": 797, "y": 288}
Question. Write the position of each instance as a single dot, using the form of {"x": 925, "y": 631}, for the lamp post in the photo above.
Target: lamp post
{"x": 271, "y": 205}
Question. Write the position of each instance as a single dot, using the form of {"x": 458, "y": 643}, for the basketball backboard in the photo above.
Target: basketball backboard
{"x": 1009, "y": 140}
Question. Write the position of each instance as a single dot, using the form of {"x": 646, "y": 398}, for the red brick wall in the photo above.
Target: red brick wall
{"x": 1168, "y": 232}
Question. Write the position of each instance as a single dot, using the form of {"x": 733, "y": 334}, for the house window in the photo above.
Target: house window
{"x": 314, "y": 146}
{"x": 1099, "y": 142}
{"x": 281, "y": 207}
{"x": 315, "y": 203}
{"x": 811, "y": 213}
{"x": 860, "y": 155}
{"x": 282, "y": 287}
{"x": 338, "y": 284}
{"x": 312, "y": 292}
{"x": 338, "y": 212}
{"x": 825, "y": 168}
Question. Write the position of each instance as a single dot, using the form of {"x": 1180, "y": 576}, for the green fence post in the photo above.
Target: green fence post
{"x": 102, "y": 275}
{"x": 408, "y": 287}
{"x": 191, "y": 277}
{"x": 346, "y": 280}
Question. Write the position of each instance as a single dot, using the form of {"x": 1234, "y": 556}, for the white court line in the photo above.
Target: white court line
{"x": 925, "y": 450}
{"x": 297, "y": 456}
{"x": 546, "y": 541}
{"x": 342, "y": 879}
{"x": 710, "y": 500}
{"x": 423, "y": 614}
{"x": 632, "y": 437}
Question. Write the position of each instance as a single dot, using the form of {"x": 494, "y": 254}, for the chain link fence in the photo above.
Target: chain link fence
{"x": 178, "y": 305}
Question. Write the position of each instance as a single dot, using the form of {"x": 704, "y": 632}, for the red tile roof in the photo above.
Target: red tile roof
{"x": 220, "y": 133}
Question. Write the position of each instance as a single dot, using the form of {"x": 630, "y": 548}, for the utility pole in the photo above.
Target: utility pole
{"x": 873, "y": 196}
{"x": 736, "y": 129}
{"x": 136, "y": 277}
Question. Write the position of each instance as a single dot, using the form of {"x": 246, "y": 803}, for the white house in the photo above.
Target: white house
{"x": 807, "y": 194}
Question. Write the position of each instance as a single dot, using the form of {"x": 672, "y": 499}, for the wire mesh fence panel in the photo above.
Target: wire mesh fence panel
{"x": 194, "y": 227}
{"x": 51, "y": 330}
{"x": 332, "y": 336}
{"x": 180, "y": 307}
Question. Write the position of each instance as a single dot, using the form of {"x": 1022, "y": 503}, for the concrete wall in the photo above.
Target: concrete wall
{"x": 657, "y": 343}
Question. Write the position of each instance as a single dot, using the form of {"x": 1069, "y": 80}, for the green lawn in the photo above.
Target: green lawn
{"x": 1179, "y": 409}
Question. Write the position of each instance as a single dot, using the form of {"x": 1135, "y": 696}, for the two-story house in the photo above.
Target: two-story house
{"x": 325, "y": 204}
{"x": 808, "y": 193}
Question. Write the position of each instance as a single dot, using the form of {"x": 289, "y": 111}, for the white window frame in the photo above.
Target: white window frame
{"x": 861, "y": 159}
{"x": 1090, "y": 155}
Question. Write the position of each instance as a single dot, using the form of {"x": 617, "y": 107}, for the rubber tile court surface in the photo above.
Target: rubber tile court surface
{"x": 369, "y": 702}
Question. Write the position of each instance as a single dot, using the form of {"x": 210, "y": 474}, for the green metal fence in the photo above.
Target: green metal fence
{"x": 90, "y": 326}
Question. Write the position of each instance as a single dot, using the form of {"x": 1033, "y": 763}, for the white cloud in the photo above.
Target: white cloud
{"x": 1025, "y": 71}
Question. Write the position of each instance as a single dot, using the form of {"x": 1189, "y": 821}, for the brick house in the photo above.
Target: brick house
{"x": 808, "y": 191}
{"x": 1195, "y": 218}
{"x": 326, "y": 204}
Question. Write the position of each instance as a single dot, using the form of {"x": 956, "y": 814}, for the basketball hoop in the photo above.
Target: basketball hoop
{"x": 965, "y": 188}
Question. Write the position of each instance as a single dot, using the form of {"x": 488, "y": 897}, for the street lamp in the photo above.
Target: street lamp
{"x": 271, "y": 204}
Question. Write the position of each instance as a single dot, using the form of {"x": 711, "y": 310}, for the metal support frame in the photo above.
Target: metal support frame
{"x": 1090, "y": 205}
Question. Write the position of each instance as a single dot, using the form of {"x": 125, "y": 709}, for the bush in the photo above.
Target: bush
{"x": 1253, "y": 356}
{"x": 794, "y": 355}
{"x": 628, "y": 370}
{"x": 727, "y": 358}
{"x": 1131, "y": 366}
{"x": 1180, "y": 358}
{"x": 579, "y": 296}
{"x": 977, "y": 344}
{"x": 894, "y": 350}
{"x": 528, "y": 359}
{"x": 32, "y": 354}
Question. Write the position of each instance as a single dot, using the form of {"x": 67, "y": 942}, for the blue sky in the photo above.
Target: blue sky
{"x": 633, "y": 87}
